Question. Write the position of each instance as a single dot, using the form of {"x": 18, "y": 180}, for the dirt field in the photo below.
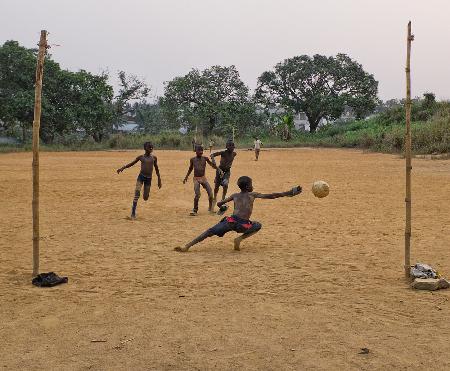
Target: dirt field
{"x": 322, "y": 279}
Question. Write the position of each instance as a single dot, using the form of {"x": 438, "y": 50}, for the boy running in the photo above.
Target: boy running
{"x": 198, "y": 163}
{"x": 148, "y": 161}
{"x": 239, "y": 221}
{"x": 257, "y": 146}
{"x": 223, "y": 172}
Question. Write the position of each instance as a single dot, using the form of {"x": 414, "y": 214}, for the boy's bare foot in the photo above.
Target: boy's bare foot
{"x": 181, "y": 249}
{"x": 132, "y": 217}
{"x": 193, "y": 213}
{"x": 237, "y": 243}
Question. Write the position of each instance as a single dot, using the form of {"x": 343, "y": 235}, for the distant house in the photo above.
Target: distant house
{"x": 127, "y": 127}
{"x": 301, "y": 121}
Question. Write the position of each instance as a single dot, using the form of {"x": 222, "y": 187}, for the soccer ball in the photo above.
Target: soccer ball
{"x": 320, "y": 189}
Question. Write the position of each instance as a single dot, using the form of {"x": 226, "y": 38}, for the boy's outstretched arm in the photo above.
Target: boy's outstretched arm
{"x": 214, "y": 155}
{"x": 212, "y": 164}
{"x": 128, "y": 165}
{"x": 270, "y": 196}
{"x": 191, "y": 166}
{"x": 155, "y": 164}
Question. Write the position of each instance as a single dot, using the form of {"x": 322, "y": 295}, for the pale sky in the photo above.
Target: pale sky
{"x": 158, "y": 40}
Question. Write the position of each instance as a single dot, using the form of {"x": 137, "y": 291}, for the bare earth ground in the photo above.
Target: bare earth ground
{"x": 323, "y": 278}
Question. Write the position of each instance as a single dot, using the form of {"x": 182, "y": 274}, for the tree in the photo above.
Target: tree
{"x": 92, "y": 97}
{"x": 130, "y": 89}
{"x": 215, "y": 96}
{"x": 319, "y": 86}
{"x": 150, "y": 118}
{"x": 17, "y": 70}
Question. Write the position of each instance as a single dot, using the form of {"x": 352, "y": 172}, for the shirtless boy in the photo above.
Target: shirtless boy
{"x": 148, "y": 161}
{"x": 240, "y": 220}
{"x": 223, "y": 172}
{"x": 257, "y": 146}
{"x": 198, "y": 163}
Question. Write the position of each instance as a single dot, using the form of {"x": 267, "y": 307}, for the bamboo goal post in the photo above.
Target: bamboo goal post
{"x": 35, "y": 166}
{"x": 409, "y": 39}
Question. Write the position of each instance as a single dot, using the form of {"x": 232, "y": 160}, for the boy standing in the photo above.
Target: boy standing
{"x": 257, "y": 145}
{"x": 223, "y": 176}
{"x": 198, "y": 163}
{"x": 148, "y": 161}
{"x": 243, "y": 208}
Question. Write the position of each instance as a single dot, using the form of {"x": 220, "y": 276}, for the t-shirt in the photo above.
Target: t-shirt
{"x": 258, "y": 144}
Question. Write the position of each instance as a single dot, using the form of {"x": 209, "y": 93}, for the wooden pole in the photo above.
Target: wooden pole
{"x": 410, "y": 38}
{"x": 35, "y": 166}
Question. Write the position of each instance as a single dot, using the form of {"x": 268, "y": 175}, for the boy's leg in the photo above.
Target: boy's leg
{"x": 208, "y": 189}
{"x": 137, "y": 194}
{"x": 147, "y": 185}
{"x": 250, "y": 232}
{"x": 218, "y": 230}
{"x": 196, "y": 197}
{"x": 217, "y": 181}
{"x": 224, "y": 182}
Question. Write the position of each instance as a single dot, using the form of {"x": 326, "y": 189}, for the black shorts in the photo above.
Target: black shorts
{"x": 234, "y": 223}
{"x": 147, "y": 181}
{"x": 223, "y": 180}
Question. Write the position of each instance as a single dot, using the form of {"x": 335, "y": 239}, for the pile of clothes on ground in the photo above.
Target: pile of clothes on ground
{"x": 426, "y": 278}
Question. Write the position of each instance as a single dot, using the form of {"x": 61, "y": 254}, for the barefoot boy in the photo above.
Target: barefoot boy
{"x": 239, "y": 221}
{"x": 223, "y": 176}
{"x": 257, "y": 146}
{"x": 148, "y": 161}
{"x": 198, "y": 163}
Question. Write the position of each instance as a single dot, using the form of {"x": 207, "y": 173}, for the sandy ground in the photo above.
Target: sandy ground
{"x": 323, "y": 278}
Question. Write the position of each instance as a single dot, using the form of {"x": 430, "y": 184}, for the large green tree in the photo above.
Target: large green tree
{"x": 215, "y": 97}
{"x": 70, "y": 100}
{"x": 93, "y": 100}
{"x": 319, "y": 86}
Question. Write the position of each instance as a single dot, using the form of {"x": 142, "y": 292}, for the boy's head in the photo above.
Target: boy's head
{"x": 199, "y": 151}
{"x": 230, "y": 145}
{"x": 148, "y": 146}
{"x": 245, "y": 184}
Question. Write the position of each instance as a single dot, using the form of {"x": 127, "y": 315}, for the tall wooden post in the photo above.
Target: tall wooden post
{"x": 410, "y": 38}
{"x": 36, "y": 127}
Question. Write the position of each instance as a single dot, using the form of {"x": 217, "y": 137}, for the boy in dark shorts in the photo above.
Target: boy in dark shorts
{"x": 148, "y": 161}
{"x": 198, "y": 163}
{"x": 239, "y": 221}
{"x": 223, "y": 176}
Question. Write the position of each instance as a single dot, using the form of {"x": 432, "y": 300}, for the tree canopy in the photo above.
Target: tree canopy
{"x": 216, "y": 97}
{"x": 319, "y": 86}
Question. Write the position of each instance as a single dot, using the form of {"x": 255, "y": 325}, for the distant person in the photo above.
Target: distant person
{"x": 211, "y": 144}
{"x": 198, "y": 164}
{"x": 257, "y": 147}
{"x": 224, "y": 169}
{"x": 193, "y": 144}
{"x": 148, "y": 162}
{"x": 240, "y": 220}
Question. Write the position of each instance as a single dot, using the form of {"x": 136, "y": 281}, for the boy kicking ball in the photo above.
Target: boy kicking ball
{"x": 240, "y": 220}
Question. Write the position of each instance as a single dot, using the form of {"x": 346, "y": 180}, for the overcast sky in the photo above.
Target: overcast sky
{"x": 158, "y": 40}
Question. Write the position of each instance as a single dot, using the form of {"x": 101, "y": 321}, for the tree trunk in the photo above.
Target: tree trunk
{"x": 97, "y": 137}
{"x": 313, "y": 123}
{"x": 24, "y": 133}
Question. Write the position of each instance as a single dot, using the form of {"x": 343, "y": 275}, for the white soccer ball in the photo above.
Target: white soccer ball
{"x": 320, "y": 189}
